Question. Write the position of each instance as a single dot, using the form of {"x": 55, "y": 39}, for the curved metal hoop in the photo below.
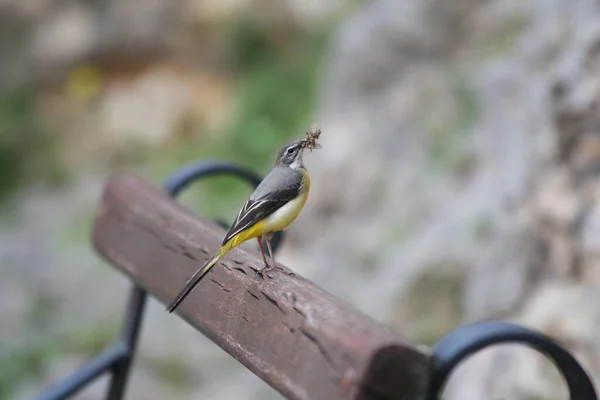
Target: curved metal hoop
{"x": 195, "y": 171}
{"x": 458, "y": 345}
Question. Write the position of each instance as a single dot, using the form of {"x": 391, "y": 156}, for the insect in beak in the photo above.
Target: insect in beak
{"x": 311, "y": 139}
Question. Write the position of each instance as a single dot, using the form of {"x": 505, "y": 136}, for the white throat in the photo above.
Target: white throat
{"x": 298, "y": 163}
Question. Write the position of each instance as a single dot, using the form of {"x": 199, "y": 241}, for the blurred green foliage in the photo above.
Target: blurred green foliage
{"x": 275, "y": 90}
{"x": 27, "y": 150}
{"x": 499, "y": 41}
{"x": 275, "y": 98}
{"x": 29, "y": 355}
{"x": 447, "y": 139}
{"x": 174, "y": 371}
{"x": 20, "y": 362}
{"x": 28, "y": 358}
{"x": 434, "y": 302}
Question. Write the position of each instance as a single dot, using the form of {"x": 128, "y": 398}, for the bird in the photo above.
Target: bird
{"x": 272, "y": 207}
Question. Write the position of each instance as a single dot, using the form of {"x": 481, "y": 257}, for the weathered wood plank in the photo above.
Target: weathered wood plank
{"x": 301, "y": 340}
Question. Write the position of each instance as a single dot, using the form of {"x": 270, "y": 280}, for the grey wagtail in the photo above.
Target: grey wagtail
{"x": 272, "y": 207}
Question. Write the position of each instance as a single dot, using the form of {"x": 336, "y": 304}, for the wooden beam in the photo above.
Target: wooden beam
{"x": 304, "y": 342}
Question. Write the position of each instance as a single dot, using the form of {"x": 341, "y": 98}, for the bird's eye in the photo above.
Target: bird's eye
{"x": 290, "y": 150}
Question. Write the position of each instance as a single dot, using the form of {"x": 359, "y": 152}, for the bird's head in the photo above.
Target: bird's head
{"x": 290, "y": 155}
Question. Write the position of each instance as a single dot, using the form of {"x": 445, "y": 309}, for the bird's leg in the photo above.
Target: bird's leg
{"x": 262, "y": 251}
{"x": 268, "y": 267}
{"x": 268, "y": 240}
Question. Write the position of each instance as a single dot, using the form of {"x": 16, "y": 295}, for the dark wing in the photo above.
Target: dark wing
{"x": 257, "y": 209}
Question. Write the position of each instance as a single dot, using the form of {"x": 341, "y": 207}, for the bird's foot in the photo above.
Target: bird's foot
{"x": 271, "y": 268}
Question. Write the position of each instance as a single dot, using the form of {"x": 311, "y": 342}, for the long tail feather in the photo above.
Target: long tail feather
{"x": 194, "y": 280}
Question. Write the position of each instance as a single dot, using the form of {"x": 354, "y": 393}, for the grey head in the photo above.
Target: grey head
{"x": 290, "y": 155}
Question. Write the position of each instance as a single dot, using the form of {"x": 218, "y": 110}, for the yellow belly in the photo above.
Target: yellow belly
{"x": 277, "y": 221}
{"x": 287, "y": 214}
{"x": 283, "y": 217}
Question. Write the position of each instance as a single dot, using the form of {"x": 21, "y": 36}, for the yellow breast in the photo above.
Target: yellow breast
{"x": 283, "y": 217}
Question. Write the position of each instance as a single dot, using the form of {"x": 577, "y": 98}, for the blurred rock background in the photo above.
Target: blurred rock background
{"x": 458, "y": 178}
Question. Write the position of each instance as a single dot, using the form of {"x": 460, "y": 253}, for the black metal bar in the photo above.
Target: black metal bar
{"x": 129, "y": 338}
{"x": 189, "y": 173}
{"x": 458, "y": 345}
{"x": 85, "y": 374}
